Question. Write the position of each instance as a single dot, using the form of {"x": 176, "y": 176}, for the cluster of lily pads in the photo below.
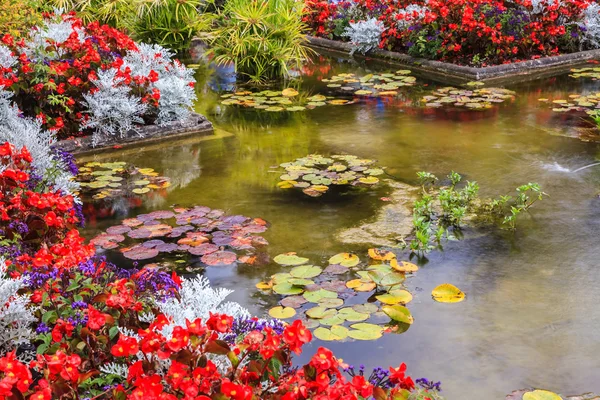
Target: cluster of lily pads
{"x": 589, "y": 103}
{"x": 371, "y": 85}
{"x": 315, "y": 174}
{"x": 323, "y": 294}
{"x": 587, "y": 72}
{"x": 113, "y": 179}
{"x": 199, "y": 231}
{"x": 277, "y": 101}
{"x": 475, "y": 99}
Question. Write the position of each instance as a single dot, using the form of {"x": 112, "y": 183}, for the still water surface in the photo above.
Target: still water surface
{"x": 531, "y": 316}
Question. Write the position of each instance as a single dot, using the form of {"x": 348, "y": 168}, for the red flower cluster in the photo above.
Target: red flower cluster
{"x": 29, "y": 217}
{"x": 475, "y": 32}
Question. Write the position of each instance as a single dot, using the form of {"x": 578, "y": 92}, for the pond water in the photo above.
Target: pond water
{"x": 531, "y": 315}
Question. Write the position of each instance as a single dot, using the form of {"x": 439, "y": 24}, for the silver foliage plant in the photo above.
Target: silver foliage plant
{"x": 15, "y": 315}
{"x": 21, "y": 131}
{"x": 177, "y": 95}
{"x": 112, "y": 109}
{"x": 364, "y": 35}
{"x": 591, "y": 25}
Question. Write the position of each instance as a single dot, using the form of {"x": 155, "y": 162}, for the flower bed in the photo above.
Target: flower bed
{"x": 473, "y": 33}
{"x": 92, "y": 79}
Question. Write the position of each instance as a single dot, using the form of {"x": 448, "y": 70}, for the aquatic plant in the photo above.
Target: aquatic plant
{"x": 277, "y": 101}
{"x": 440, "y": 212}
{"x": 119, "y": 178}
{"x": 197, "y": 231}
{"x": 371, "y": 85}
{"x": 475, "y": 99}
{"x": 324, "y": 294}
{"x": 364, "y": 35}
{"x": 315, "y": 174}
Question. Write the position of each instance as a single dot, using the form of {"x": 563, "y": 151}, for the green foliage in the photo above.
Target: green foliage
{"x": 263, "y": 38}
{"x": 169, "y": 23}
{"x": 439, "y": 213}
{"x": 18, "y": 16}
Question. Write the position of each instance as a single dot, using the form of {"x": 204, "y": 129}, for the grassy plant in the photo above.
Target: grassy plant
{"x": 18, "y": 16}
{"x": 263, "y": 38}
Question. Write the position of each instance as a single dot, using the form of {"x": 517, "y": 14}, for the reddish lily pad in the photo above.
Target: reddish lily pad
{"x": 219, "y": 258}
{"x": 140, "y": 253}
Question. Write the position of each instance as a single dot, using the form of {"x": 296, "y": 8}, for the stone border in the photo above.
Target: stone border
{"x": 447, "y": 72}
{"x": 196, "y": 124}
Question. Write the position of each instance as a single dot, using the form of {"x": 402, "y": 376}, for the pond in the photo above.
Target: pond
{"x": 531, "y": 314}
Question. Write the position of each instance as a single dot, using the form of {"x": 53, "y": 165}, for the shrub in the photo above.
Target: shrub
{"x": 263, "y": 38}
{"x": 17, "y": 17}
{"x": 81, "y": 79}
{"x": 364, "y": 35}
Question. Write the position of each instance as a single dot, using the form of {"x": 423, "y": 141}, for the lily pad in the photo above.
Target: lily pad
{"x": 398, "y": 313}
{"x": 289, "y": 259}
{"x": 282, "y": 312}
{"x": 140, "y": 253}
{"x": 398, "y": 296}
{"x": 541, "y": 395}
{"x": 447, "y": 293}
{"x": 345, "y": 259}
{"x": 306, "y": 271}
{"x": 317, "y": 295}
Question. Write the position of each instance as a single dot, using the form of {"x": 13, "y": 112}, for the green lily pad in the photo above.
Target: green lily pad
{"x": 287, "y": 289}
{"x": 318, "y": 295}
{"x": 306, "y": 271}
{"x": 290, "y": 259}
{"x": 398, "y": 313}
{"x": 345, "y": 259}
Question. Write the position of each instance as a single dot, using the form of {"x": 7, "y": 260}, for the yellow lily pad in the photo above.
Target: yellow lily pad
{"x": 447, "y": 293}
{"x": 280, "y": 312}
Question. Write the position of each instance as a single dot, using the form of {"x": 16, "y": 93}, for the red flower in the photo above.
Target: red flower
{"x": 125, "y": 347}
{"x": 96, "y": 319}
{"x": 179, "y": 340}
{"x": 219, "y": 322}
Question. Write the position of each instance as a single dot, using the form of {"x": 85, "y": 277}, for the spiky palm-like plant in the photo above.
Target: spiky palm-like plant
{"x": 263, "y": 38}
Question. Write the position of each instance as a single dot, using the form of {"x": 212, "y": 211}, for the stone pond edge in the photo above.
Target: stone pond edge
{"x": 194, "y": 125}
{"x": 457, "y": 73}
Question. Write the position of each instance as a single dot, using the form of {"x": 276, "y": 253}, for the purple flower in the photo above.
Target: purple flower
{"x": 429, "y": 385}
{"x": 42, "y": 328}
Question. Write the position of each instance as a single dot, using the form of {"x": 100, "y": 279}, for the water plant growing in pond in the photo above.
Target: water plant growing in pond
{"x": 277, "y": 101}
{"x": 475, "y": 99}
{"x": 315, "y": 174}
{"x": 440, "y": 212}
{"x": 198, "y": 231}
{"x": 324, "y": 294}
{"x": 371, "y": 85}
{"x": 119, "y": 178}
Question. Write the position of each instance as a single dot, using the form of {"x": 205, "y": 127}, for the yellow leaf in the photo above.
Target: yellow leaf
{"x": 280, "y": 312}
{"x": 289, "y": 92}
{"x": 447, "y": 293}
{"x": 264, "y": 285}
{"x": 403, "y": 266}
{"x": 381, "y": 255}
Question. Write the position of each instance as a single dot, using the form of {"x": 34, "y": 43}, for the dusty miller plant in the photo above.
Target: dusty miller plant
{"x": 591, "y": 25}
{"x": 15, "y": 317}
{"x": 364, "y": 35}
{"x": 112, "y": 109}
{"x": 21, "y": 131}
{"x": 177, "y": 96}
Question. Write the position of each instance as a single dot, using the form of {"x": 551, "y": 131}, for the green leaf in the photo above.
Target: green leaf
{"x": 398, "y": 313}
{"x": 306, "y": 271}
{"x": 345, "y": 259}
{"x": 49, "y": 317}
{"x": 290, "y": 259}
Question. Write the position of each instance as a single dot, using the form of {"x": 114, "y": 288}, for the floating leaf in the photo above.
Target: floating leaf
{"x": 541, "y": 395}
{"x": 331, "y": 334}
{"x": 365, "y": 331}
{"x": 403, "y": 266}
{"x": 140, "y": 253}
{"x": 381, "y": 255}
{"x": 290, "y": 259}
{"x": 345, "y": 259}
{"x": 219, "y": 258}
{"x": 447, "y": 293}
{"x": 287, "y": 289}
{"x": 306, "y": 271}
{"x": 398, "y": 296}
{"x": 293, "y": 301}
{"x": 317, "y": 295}
{"x": 398, "y": 313}
{"x": 282, "y": 312}
{"x": 264, "y": 285}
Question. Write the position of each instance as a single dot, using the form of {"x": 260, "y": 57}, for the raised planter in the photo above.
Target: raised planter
{"x": 451, "y": 73}
{"x": 195, "y": 125}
